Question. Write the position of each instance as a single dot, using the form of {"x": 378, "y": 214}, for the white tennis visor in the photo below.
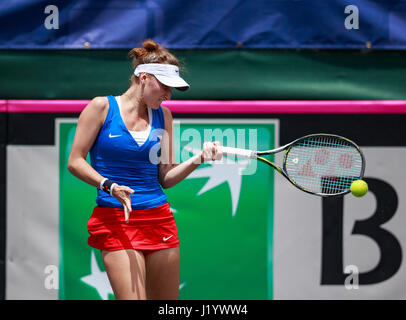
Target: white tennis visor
{"x": 168, "y": 74}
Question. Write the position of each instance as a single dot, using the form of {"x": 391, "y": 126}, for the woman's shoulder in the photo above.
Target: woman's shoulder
{"x": 166, "y": 112}
{"x": 96, "y": 109}
{"x": 167, "y": 116}
{"x": 99, "y": 102}
{"x": 99, "y": 105}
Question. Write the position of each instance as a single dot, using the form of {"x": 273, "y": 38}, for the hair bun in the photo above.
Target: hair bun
{"x": 150, "y": 45}
{"x": 151, "y": 52}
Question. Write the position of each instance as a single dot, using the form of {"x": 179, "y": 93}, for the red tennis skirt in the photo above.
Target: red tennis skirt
{"x": 147, "y": 229}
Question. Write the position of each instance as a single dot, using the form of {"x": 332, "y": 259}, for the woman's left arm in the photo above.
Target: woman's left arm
{"x": 171, "y": 173}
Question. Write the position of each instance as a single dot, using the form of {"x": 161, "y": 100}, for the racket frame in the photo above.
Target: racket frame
{"x": 258, "y": 155}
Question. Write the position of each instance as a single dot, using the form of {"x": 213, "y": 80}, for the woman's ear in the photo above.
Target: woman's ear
{"x": 143, "y": 76}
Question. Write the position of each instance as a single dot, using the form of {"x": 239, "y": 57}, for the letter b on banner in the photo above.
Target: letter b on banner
{"x": 389, "y": 246}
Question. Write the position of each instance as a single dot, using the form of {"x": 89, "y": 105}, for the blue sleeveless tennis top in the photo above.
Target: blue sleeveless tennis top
{"x": 117, "y": 156}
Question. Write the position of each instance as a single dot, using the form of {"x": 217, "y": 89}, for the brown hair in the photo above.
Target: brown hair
{"x": 151, "y": 52}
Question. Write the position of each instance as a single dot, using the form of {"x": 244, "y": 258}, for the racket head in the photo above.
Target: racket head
{"x": 323, "y": 164}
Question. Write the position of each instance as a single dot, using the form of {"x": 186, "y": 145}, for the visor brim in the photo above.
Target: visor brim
{"x": 173, "y": 81}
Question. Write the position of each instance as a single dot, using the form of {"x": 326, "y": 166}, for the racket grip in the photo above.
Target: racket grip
{"x": 241, "y": 153}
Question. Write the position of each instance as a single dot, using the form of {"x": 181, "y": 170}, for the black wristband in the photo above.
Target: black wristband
{"x": 106, "y": 186}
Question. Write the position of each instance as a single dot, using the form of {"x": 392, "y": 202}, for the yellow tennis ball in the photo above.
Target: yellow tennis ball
{"x": 359, "y": 188}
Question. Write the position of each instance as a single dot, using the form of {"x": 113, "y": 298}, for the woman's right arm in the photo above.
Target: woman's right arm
{"x": 90, "y": 121}
{"x": 89, "y": 124}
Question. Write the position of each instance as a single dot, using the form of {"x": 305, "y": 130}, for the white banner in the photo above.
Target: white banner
{"x": 350, "y": 249}
{"x": 32, "y": 242}
{"x": 314, "y": 242}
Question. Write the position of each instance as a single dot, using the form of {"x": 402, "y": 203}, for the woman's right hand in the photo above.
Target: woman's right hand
{"x": 211, "y": 151}
{"x": 122, "y": 193}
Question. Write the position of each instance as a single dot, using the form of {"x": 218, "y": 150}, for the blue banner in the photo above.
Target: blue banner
{"x": 205, "y": 24}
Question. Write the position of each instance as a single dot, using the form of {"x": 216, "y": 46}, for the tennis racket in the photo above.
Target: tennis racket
{"x": 320, "y": 164}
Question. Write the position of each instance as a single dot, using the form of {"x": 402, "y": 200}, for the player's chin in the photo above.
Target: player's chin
{"x": 156, "y": 104}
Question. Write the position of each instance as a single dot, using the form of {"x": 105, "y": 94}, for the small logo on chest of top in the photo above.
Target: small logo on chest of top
{"x": 114, "y": 136}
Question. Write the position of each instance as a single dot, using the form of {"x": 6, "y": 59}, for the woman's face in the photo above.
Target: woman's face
{"x": 155, "y": 92}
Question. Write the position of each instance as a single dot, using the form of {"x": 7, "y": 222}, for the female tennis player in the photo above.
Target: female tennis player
{"x": 132, "y": 223}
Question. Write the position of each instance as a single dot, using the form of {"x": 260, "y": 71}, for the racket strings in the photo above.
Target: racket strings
{"x": 324, "y": 164}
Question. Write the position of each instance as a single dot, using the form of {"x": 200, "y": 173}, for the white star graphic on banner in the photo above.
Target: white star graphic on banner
{"x": 225, "y": 170}
{"x": 98, "y": 279}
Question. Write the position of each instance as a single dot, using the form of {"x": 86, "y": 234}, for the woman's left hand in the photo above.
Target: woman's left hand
{"x": 211, "y": 151}
{"x": 122, "y": 193}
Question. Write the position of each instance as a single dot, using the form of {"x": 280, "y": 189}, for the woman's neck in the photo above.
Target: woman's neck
{"x": 133, "y": 102}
